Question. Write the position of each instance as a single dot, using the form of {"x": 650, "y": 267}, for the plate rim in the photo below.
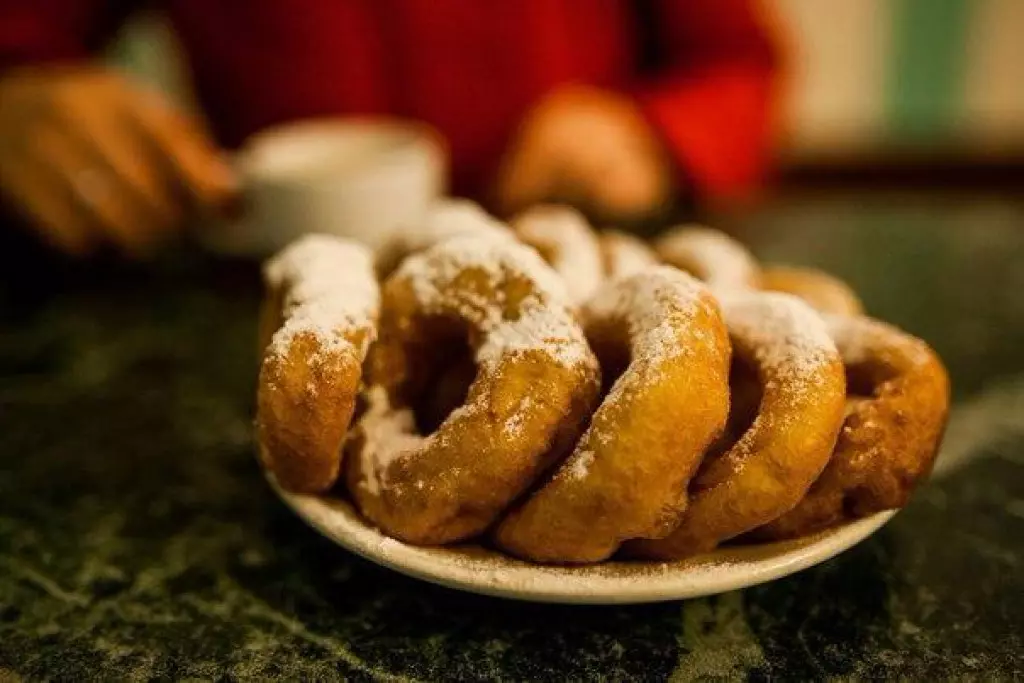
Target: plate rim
{"x": 488, "y": 572}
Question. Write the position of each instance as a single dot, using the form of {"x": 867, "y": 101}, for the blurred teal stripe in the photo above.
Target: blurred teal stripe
{"x": 926, "y": 71}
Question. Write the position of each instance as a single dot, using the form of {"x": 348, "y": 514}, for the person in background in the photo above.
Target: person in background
{"x": 615, "y": 106}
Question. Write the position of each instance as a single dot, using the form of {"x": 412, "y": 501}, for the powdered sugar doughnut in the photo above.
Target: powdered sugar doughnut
{"x": 444, "y": 219}
{"x": 627, "y": 476}
{"x": 900, "y": 401}
{"x": 567, "y": 242}
{"x": 325, "y": 292}
{"x": 624, "y": 254}
{"x": 536, "y": 382}
{"x": 824, "y": 292}
{"x": 770, "y": 468}
{"x": 710, "y": 255}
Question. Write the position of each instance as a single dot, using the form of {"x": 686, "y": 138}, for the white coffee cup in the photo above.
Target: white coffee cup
{"x": 357, "y": 178}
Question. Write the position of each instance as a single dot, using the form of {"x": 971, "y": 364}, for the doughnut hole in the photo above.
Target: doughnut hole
{"x": 612, "y": 348}
{"x": 448, "y": 386}
{"x": 859, "y": 389}
{"x": 745, "y": 393}
{"x": 861, "y": 379}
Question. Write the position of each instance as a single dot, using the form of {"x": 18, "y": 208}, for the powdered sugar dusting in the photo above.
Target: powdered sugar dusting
{"x": 654, "y": 305}
{"x": 514, "y": 423}
{"x": 788, "y": 337}
{"x": 711, "y": 255}
{"x": 388, "y": 435}
{"x": 329, "y": 287}
{"x": 579, "y": 465}
{"x": 564, "y": 236}
{"x": 486, "y": 571}
{"x": 538, "y": 329}
{"x": 447, "y": 218}
{"x": 625, "y": 254}
{"x": 505, "y": 575}
{"x": 859, "y": 338}
{"x": 544, "y": 322}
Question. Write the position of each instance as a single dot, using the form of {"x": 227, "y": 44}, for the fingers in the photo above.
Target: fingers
{"x": 590, "y": 148}
{"x": 104, "y": 203}
{"x": 40, "y": 195}
{"x": 529, "y": 173}
{"x": 91, "y": 159}
{"x": 187, "y": 154}
{"x": 629, "y": 188}
{"x": 113, "y": 150}
{"x": 523, "y": 183}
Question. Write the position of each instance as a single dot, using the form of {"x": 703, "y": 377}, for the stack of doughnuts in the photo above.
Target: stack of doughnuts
{"x": 568, "y": 395}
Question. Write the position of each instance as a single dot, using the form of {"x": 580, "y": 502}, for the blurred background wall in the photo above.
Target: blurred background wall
{"x": 871, "y": 82}
{"x": 886, "y": 78}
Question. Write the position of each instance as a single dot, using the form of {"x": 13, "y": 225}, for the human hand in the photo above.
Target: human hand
{"x": 587, "y": 147}
{"x": 91, "y": 159}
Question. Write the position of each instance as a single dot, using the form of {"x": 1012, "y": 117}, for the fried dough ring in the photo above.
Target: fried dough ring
{"x": 536, "y": 382}
{"x": 566, "y": 241}
{"x": 889, "y": 439}
{"x": 824, "y": 292}
{"x": 444, "y": 219}
{"x": 628, "y": 474}
{"x": 624, "y": 254}
{"x": 769, "y": 469}
{"x": 323, "y": 303}
{"x": 710, "y": 255}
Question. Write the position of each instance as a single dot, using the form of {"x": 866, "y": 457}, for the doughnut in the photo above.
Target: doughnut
{"x": 567, "y": 242}
{"x": 445, "y": 218}
{"x": 627, "y": 476}
{"x": 323, "y": 306}
{"x": 624, "y": 254}
{"x": 824, "y": 292}
{"x": 769, "y": 469}
{"x": 896, "y": 415}
{"x": 536, "y": 382}
{"x": 710, "y": 255}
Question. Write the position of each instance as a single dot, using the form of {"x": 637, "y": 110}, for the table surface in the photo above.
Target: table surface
{"x": 138, "y": 540}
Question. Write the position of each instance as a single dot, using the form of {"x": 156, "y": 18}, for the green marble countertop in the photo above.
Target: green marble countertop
{"x": 138, "y": 540}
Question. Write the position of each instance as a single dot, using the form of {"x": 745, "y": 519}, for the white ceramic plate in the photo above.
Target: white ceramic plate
{"x": 479, "y": 570}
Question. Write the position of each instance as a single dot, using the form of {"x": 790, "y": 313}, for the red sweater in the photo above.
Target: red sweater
{"x": 702, "y": 70}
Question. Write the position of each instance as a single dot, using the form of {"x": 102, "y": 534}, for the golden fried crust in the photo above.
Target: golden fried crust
{"x": 270, "y": 316}
{"x": 824, "y": 292}
{"x": 710, "y": 255}
{"x": 627, "y": 476}
{"x": 776, "y": 460}
{"x": 317, "y": 322}
{"x": 304, "y": 405}
{"x": 890, "y": 438}
{"x": 536, "y": 382}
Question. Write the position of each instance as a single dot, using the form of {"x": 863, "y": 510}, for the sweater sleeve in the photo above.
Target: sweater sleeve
{"x": 711, "y": 97}
{"x": 34, "y": 31}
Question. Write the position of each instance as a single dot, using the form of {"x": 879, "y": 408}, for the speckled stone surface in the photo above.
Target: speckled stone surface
{"x": 138, "y": 541}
